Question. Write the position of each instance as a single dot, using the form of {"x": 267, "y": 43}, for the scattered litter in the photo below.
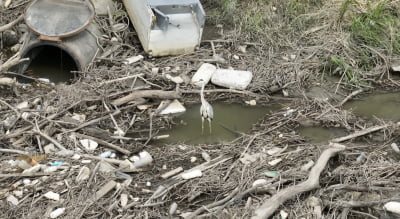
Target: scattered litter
{"x": 57, "y": 163}
{"x": 86, "y": 161}
{"x": 274, "y": 150}
{"x": 65, "y": 153}
{"x": 361, "y": 158}
{"x": 285, "y": 93}
{"x": 83, "y": 174}
{"x": 205, "y": 156}
{"x": 22, "y": 105}
{"x": 174, "y": 107}
{"x": 155, "y": 70}
{"x": 79, "y": 117}
{"x": 33, "y": 169}
{"x": 144, "y": 159}
{"x": 395, "y": 68}
{"x": 52, "y": 195}
{"x": 242, "y": 48}
{"x": 292, "y": 56}
{"x": 233, "y": 79}
{"x": 236, "y": 57}
{"x": 76, "y": 157}
{"x": 192, "y": 174}
{"x": 259, "y": 182}
{"x": 48, "y": 149}
{"x": 176, "y": 79}
{"x": 88, "y": 144}
{"x": 12, "y": 199}
{"x": 204, "y": 73}
{"x": 307, "y": 166}
{"x": 50, "y": 169}
{"x": 172, "y": 173}
{"x": 271, "y": 174}
{"x": 124, "y": 200}
{"x": 105, "y": 167}
{"x": 45, "y": 80}
{"x": 105, "y": 154}
{"x": 56, "y": 213}
{"x": 133, "y": 59}
{"x": 251, "y": 102}
{"x": 193, "y": 159}
{"x": 393, "y": 207}
{"x": 288, "y": 113}
{"x": 148, "y": 184}
{"x": 395, "y": 147}
{"x": 247, "y": 158}
{"x": 18, "y": 193}
{"x": 275, "y": 162}
{"x": 283, "y": 214}
{"x": 172, "y": 209}
{"x": 26, "y": 182}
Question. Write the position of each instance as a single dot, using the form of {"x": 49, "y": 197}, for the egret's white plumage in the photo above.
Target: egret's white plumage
{"x": 206, "y": 110}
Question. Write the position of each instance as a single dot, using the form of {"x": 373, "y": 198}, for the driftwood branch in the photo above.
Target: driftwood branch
{"x": 363, "y": 132}
{"x": 12, "y": 23}
{"x": 270, "y": 206}
{"x": 14, "y": 60}
{"x": 104, "y": 143}
{"x": 157, "y": 94}
{"x": 351, "y": 95}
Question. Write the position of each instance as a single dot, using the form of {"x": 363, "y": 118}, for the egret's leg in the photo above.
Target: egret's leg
{"x": 202, "y": 125}
{"x": 209, "y": 124}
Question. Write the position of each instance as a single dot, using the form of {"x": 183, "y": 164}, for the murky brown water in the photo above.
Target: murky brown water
{"x": 383, "y": 106}
{"x": 228, "y": 120}
{"x": 320, "y": 134}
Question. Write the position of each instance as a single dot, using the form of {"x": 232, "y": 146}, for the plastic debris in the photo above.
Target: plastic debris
{"x": 65, "y": 153}
{"x": 148, "y": 184}
{"x": 393, "y": 207}
{"x": 49, "y": 148}
{"x": 33, "y": 169}
{"x": 307, "y": 166}
{"x": 192, "y": 174}
{"x": 57, "y": 163}
{"x": 288, "y": 113}
{"x": 233, "y": 79}
{"x": 193, "y": 159}
{"x": 50, "y": 169}
{"x": 76, "y": 157}
{"x": 105, "y": 167}
{"x": 124, "y": 199}
{"x": 52, "y": 195}
{"x": 251, "y": 102}
{"x": 274, "y": 150}
{"x": 247, "y": 158}
{"x": 176, "y": 79}
{"x": 174, "y": 107}
{"x": 22, "y": 105}
{"x": 86, "y": 161}
{"x": 105, "y": 154}
{"x": 271, "y": 174}
{"x": 79, "y": 117}
{"x": 133, "y": 59}
{"x": 361, "y": 158}
{"x": 204, "y": 73}
{"x": 18, "y": 193}
{"x": 144, "y": 159}
{"x": 12, "y": 199}
{"x": 83, "y": 174}
{"x": 395, "y": 147}
{"x": 205, "y": 156}
{"x": 88, "y": 144}
{"x": 56, "y": 213}
{"x": 283, "y": 214}
{"x": 172, "y": 208}
{"x": 259, "y": 182}
{"x": 275, "y": 162}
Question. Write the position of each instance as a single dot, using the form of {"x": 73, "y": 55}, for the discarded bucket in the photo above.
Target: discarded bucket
{"x": 65, "y": 25}
{"x": 170, "y": 27}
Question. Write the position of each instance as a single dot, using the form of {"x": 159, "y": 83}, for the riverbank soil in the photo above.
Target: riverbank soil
{"x": 309, "y": 60}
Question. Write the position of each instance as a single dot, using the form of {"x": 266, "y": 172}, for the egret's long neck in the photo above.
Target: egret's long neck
{"x": 202, "y": 93}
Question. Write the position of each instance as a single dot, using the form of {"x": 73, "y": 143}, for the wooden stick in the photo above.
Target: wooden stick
{"x": 104, "y": 143}
{"x": 4, "y": 150}
{"x": 52, "y": 140}
{"x": 157, "y": 94}
{"x": 363, "y": 132}
{"x": 12, "y": 23}
{"x": 273, "y": 203}
{"x": 354, "y": 93}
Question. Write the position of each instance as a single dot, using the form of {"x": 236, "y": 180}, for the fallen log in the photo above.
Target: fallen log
{"x": 156, "y": 94}
{"x": 273, "y": 203}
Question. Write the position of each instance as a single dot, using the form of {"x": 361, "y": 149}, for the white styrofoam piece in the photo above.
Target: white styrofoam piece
{"x": 192, "y": 174}
{"x": 204, "y": 73}
{"x": 234, "y": 79}
{"x": 174, "y": 107}
{"x": 393, "y": 207}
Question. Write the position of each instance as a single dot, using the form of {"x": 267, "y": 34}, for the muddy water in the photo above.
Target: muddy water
{"x": 320, "y": 134}
{"x": 383, "y": 106}
{"x": 52, "y": 63}
{"x": 229, "y": 120}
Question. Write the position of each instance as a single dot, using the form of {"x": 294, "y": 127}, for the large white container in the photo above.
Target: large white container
{"x": 167, "y": 27}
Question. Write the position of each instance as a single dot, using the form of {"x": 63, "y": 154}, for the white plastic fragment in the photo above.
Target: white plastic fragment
{"x": 395, "y": 147}
{"x": 172, "y": 173}
{"x": 88, "y": 144}
{"x": 172, "y": 208}
{"x": 259, "y": 182}
{"x": 26, "y": 182}
{"x": 249, "y": 158}
{"x": 86, "y": 161}
{"x": 22, "y": 105}
{"x": 144, "y": 159}
{"x": 192, "y": 174}
{"x": 393, "y": 207}
{"x": 50, "y": 169}
{"x": 18, "y": 193}
{"x": 83, "y": 174}
{"x": 283, "y": 214}
{"x": 52, "y": 195}
{"x": 33, "y": 169}
{"x": 176, "y": 79}
{"x": 308, "y": 165}
{"x": 76, "y": 157}
{"x": 133, "y": 59}
{"x": 275, "y": 162}
{"x": 193, "y": 159}
{"x": 105, "y": 154}
{"x": 251, "y": 102}
{"x": 12, "y": 199}
{"x": 361, "y": 158}
{"x": 79, "y": 117}
{"x": 49, "y": 148}
{"x": 396, "y": 68}
{"x": 65, "y": 153}
{"x": 124, "y": 199}
{"x": 234, "y": 79}
{"x": 204, "y": 73}
{"x": 105, "y": 167}
{"x": 56, "y": 213}
{"x": 148, "y": 184}
{"x": 45, "y": 80}
{"x": 274, "y": 151}
{"x": 205, "y": 156}
{"x": 174, "y": 107}
{"x": 288, "y": 113}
